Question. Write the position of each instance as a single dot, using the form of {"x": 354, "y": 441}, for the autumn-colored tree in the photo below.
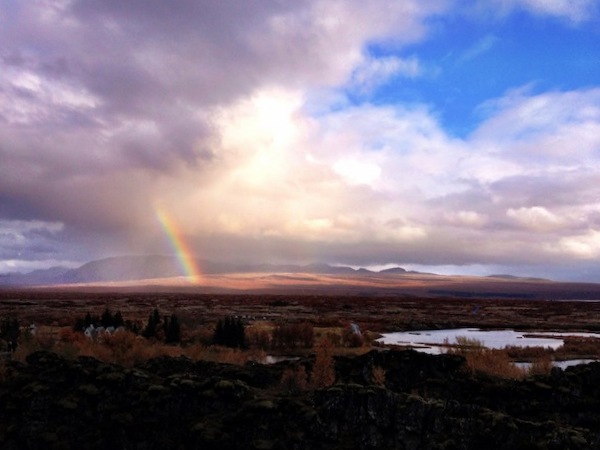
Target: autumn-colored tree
{"x": 293, "y": 335}
{"x": 323, "y": 371}
{"x": 258, "y": 338}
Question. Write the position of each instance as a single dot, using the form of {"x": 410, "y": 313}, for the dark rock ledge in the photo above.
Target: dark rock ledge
{"x": 428, "y": 402}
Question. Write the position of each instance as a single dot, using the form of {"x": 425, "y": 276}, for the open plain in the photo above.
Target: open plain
{"x": 60, "y": 389}
{"x": 376, "y": 302}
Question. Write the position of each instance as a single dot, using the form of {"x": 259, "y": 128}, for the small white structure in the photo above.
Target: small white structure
{"x": 355, "y": 329}
{"x": 94, "y": 333}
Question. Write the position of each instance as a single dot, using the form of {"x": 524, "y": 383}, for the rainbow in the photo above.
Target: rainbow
{"x": 182, "y": 250}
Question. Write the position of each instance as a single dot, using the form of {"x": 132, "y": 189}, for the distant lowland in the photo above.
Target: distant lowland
{"x": 165, "y": 273}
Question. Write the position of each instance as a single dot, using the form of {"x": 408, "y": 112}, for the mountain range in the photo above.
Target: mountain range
{"x": 131, "y": 268}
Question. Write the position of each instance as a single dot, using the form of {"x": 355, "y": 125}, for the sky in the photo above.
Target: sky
{"x": 452, "y": 136}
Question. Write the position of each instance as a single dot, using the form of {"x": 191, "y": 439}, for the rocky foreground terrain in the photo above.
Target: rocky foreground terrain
{"x": 426, "y": 402}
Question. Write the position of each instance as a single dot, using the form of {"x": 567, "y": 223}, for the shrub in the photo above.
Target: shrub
{"x": 258, "y": 338}
{"x": 481, "y": 360}
{"x": 378, "y": 375}
{"x": 294, "y": 380}
{"x": 582, "y": 346}
{"x": 541, "y": 366}
{"x": 293, "y": 335}
{"x": 217, "y": 353}
{"x": 351, "y": 338}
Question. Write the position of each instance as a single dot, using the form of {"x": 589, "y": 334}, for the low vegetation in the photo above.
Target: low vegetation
{"x": 249, "y": 328}
{"x": 170, "y": 372}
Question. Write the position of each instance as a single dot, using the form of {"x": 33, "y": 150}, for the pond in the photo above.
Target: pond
{"x": 429, "y": 341}
{"x": 562, "y": 364}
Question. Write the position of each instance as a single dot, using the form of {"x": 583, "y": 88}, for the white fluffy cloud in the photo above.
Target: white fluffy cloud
{"x": 536, "y": 218}
{"x": 371, "y": 174}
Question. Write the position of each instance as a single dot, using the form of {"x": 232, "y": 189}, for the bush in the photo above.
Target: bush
{"x": 378, "y": 376}
{"x": 258, "y": 338}
{"x": 294, "y": 380}
{"x": 351, "y": 338}
{"x": 293, "y": 335}
{"x": 481, "y": 360}
{"x": 541, "y": 366}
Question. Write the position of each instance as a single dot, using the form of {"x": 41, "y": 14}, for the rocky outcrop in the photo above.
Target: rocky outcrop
{"x": 428, "y": 402}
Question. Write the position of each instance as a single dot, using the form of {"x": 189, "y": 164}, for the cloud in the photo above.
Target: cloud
{"x": 574, "y": 11}
{"x": 370, "y": 177}
{"x": 92, "y": 88}
{"x": 535, "y": 218}
{"x": 534, "y": 131}
{"x": 585, "y": 246}
{"x": 230, "y": 114}
{"x": 482, "y": 46}
{"x": 373, "y": 72}
{"x": 29, "y": 245}
{"x": 467, "y": 219}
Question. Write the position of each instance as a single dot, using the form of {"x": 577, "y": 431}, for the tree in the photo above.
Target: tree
{"x": 172, "y": 330}
{"x": 118, "y": 320}
{"x": 10, "y": 331}
{"x": 230, "y": 332}
{"x": 293, "y": 335}
{"x": 107, "y": 318}
{"x": 152, "y": 325}
{"x": 323, "y": 372}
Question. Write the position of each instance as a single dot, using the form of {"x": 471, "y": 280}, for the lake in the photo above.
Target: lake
{"x": 429, "y": 341}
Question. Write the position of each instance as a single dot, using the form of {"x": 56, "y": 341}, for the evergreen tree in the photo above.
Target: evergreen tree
{"x": 172, "y": 330}
{"x": 165, "y": 327}
{"x": 230, "y": 333}
{"x": 118, "y": 320}
{"x": 79, "y": 325}
{"x": 10, "y": 331}
{"x": 218, "y": 337}
{"x": 151, "y": 326}
{"x": 239, "y": 334}
{"x": 107, "y": 319}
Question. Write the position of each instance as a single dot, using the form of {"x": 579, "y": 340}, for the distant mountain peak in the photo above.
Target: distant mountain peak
{"x": 393, "y": 270}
